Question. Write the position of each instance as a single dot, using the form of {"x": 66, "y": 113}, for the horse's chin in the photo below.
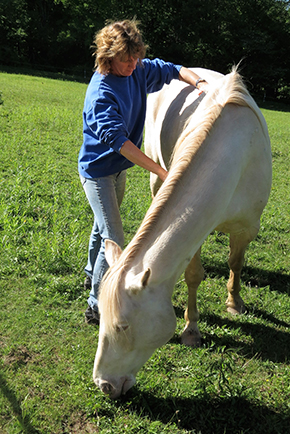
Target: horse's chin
{"x": 127, "y": 385}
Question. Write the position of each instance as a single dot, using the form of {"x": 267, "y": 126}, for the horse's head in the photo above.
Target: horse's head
{"x": 135, "y": 319}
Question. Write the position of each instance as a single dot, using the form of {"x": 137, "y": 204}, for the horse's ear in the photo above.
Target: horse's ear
{"x": 139, "y": 282}
{"x": 112, "y": 252}
{"x": 145, "y": 277}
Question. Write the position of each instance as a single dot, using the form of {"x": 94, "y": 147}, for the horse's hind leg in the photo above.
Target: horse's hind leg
{"x": 193, "y": 276}
{"x": 238, "y": 245}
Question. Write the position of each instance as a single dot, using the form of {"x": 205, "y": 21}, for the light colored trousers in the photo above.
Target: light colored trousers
{"x": 105, "y": 196}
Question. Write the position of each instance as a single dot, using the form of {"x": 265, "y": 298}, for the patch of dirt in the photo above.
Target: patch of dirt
{"x": 17, "y": 356}
{"x": 78, "y": 423}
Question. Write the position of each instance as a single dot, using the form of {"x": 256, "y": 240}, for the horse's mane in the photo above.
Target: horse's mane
{"x": 229, "y": 89}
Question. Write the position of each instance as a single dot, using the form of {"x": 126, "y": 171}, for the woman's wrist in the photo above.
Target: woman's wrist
{"x": 162, "y": 173}
{"x": 200, "y": 80}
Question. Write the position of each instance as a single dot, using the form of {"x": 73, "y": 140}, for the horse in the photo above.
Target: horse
{"x": 217, "y": 149}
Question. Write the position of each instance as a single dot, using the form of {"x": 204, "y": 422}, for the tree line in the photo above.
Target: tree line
{"x": 215, "y": 34}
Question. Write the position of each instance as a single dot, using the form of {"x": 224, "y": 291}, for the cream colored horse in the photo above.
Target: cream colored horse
{"x": 219, "y": 178}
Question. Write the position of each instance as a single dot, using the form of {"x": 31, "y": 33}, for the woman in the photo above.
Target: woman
{"x": 113, "y": 122}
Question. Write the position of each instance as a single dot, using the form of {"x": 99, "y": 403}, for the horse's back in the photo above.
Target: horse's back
{"x": 167, "y": 112}
{"x": 240, "y": 143}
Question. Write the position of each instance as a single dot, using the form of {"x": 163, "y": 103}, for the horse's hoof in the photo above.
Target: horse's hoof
{"x": 191, "y": 338}
{"x": 232, "y": 311}
{"x": 235, "y": 305}
{"x": 236, "y": 310}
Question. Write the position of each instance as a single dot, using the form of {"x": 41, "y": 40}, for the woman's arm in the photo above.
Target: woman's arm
{"x": 190, "y": 77}
{"x": 133, "y": 154}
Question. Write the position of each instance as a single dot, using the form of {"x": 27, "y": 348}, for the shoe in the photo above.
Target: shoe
{"x": 87, "y": 283}
{"x": 91, "y": 316}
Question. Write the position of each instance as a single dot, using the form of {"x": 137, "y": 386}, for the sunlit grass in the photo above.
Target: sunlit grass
{"x": 236, "y": 383}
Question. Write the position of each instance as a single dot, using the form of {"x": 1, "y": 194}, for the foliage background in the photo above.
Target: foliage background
{"x": 56, "y": 35}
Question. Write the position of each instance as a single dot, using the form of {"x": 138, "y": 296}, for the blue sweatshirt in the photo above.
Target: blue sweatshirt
{"x": 114, "y": 111}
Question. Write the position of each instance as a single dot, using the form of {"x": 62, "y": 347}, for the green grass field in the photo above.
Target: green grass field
{"x": 238, "y": 382}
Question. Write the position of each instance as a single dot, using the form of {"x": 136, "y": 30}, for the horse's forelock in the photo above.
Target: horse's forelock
{"x": 109, "y": 298}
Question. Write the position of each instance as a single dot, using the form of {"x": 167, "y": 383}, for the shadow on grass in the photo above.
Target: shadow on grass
{"x": 276, "y": 280}
{"x": 275, "y": 105}
{"x": 49, "y": 72}
{"x": 211, "y": 416}
{"x": 268, "y": 342}
{"x": 22, "y": 418}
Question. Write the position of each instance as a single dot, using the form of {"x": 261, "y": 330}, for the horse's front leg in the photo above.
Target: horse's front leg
{"x": 193, "y": 276}
{"x": 238, "y": 245}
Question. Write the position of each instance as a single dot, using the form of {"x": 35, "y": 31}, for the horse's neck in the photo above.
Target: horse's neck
{"x": 176, "y": 236}
{"x": 195, "y": 206}
{"x": 173, "y": 246}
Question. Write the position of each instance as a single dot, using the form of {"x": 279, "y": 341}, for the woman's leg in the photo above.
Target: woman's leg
{"x": 105, "y": 196}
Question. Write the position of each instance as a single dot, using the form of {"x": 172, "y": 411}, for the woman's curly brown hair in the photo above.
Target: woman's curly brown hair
{"x": 122, "y": 39}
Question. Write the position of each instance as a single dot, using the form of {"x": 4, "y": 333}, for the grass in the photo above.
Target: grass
{"x": 238, "y": 382}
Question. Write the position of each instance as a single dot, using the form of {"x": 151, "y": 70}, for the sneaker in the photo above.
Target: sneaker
{"x": 87, "y": 283}
{"x": 91, "y": 316}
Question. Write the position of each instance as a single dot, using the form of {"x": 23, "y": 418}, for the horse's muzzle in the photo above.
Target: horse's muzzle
{"x": 115, "y": 388}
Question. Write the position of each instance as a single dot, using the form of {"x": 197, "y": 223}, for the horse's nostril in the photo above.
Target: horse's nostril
{"x": 106, "y": 388}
